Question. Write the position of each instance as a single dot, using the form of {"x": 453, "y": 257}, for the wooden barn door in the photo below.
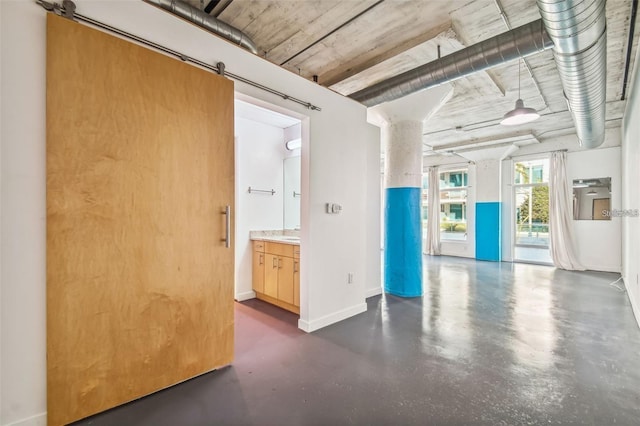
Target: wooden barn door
{"x": 139, "y": 171}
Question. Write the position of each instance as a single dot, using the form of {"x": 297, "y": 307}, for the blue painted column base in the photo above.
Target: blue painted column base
{"x": 403, "y": 242}
{"x": 488, "y": 231}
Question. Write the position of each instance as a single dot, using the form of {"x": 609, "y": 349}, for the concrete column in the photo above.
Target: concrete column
{"x": 402, "y": 127}
{"x": 402, "y": 214}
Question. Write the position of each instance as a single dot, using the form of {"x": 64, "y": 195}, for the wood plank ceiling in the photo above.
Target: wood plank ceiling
{"x": 350, "y": 45}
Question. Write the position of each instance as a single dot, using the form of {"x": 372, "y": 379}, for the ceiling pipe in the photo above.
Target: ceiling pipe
{"x": 206, "y": 21}
{"x": 519, "y": 42}
{"x": 579, "y": 33}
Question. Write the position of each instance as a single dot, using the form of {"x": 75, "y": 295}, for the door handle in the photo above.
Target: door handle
{"x": 295, "y": 266}
{"x": 261, "y": 261}
{"x": 227, "y": 234}
{"x": 275, "y": 262}
{"x": 279, "y": 263}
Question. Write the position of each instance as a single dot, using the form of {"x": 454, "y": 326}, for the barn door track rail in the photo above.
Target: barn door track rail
{"x": 68, "y": 10}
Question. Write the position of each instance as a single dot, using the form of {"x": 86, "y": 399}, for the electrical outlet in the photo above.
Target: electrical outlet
{"x": 350, "y": 278}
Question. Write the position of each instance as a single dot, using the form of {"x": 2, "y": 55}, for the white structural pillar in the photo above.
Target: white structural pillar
{"x": 402, "y": 127}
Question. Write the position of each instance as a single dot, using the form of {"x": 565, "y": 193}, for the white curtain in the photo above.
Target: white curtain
{"x": 560, "y": 215}
{"x": 433, "y": 223}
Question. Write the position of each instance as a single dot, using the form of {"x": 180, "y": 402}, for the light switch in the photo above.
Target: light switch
{"x": 333, "y": 208}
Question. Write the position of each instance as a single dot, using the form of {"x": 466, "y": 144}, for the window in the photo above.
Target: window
{"x": 453, "y": 205}
{"x": 425, "y": 201}
{"x": 531, "y": 195}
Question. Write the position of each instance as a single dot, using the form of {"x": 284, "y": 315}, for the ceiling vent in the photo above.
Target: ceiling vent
{"x": 206, "y": 21}
{"x": 579, "y": 33}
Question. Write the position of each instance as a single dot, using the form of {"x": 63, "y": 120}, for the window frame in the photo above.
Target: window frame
{"x": 464, "y": 170}
{"x": 514, "y": 188}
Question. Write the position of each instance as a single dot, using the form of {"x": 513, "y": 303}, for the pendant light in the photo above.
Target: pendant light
{"x": 520, "y": 114}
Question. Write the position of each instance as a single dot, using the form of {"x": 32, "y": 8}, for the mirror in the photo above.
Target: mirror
{"x": 592, "y": 199}
{"x": 291, "y": 217}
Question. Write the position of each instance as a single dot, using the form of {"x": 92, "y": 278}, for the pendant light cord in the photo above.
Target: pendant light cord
{"x": 519, "y": 61}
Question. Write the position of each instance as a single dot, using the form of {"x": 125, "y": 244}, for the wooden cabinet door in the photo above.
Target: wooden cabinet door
{"x": 296, "y": 282}
{"x": 285, "y": 279}
{"x": 258, "y": 272}
{"x": 140, "y": 167}
{"x": 271, "y": 275}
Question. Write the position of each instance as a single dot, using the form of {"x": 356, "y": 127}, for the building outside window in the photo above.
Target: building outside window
{"x": 453, "y": 204}
{"x": 425, "y": 201}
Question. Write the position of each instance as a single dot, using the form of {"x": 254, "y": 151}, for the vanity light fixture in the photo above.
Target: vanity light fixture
{"x": 520, "y": 114}
{"x": 293, "y": 144}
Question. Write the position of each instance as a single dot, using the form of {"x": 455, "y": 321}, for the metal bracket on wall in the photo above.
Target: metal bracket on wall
{"x": 66, "y": 10}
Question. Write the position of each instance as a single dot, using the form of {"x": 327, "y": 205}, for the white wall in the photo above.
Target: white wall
{"x": 630, "y": 192}
{"x": 598, "y": 242}
{"x": 506, "y": 220}
{"x": 487, "y": 181}
{"x": 259, "y": 150}
{"x": 373, "y": 278}
{"x": 336, "y": 144}
{"x": 22, "y": 232}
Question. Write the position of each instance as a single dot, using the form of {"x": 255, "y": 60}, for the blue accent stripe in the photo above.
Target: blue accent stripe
{"x": 403, "y": 242}
{"x": 488, "y": 231}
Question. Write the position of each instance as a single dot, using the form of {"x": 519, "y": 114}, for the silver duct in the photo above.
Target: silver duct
{"x": 206, "y": 21}
{"x": 519, "y": 42}
{"x": 579, "y": 33}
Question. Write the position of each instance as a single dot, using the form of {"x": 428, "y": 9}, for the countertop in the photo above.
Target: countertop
{"x": 283, "y": 237}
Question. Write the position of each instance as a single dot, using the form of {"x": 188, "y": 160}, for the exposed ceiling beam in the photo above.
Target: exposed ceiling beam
{"x": 211, "y": 5}
{"x": 507, "y": 23}
{"x": 357, "y": 65}
{"x": 632, "y": 26}
{"x": 338, "y": 28}
{"x": 496, "y": 82}
{"x": 221, "y": 9}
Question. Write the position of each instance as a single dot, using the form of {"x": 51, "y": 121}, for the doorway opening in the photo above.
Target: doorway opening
{"x": 268, "y": 199}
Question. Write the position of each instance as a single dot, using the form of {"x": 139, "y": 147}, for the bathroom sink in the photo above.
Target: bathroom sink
{"x": 291, "y": 238}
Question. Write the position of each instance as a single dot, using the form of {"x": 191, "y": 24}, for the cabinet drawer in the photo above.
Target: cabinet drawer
{"x": 258, "y": 246}
{"x": 279, "y": 249}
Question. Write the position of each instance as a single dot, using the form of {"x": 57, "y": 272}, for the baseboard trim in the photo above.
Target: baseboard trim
{"x": 37, "y": 420}
{"x": 601, "y": 268}
{"x": 241, "y": 297}
{"x": 632, "y": 298}
{"x": 370, "y": 292}
{"x": 317, "y": 324}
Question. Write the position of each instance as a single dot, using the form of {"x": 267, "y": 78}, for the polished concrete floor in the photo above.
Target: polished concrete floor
{"x": 488, "y": 344}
